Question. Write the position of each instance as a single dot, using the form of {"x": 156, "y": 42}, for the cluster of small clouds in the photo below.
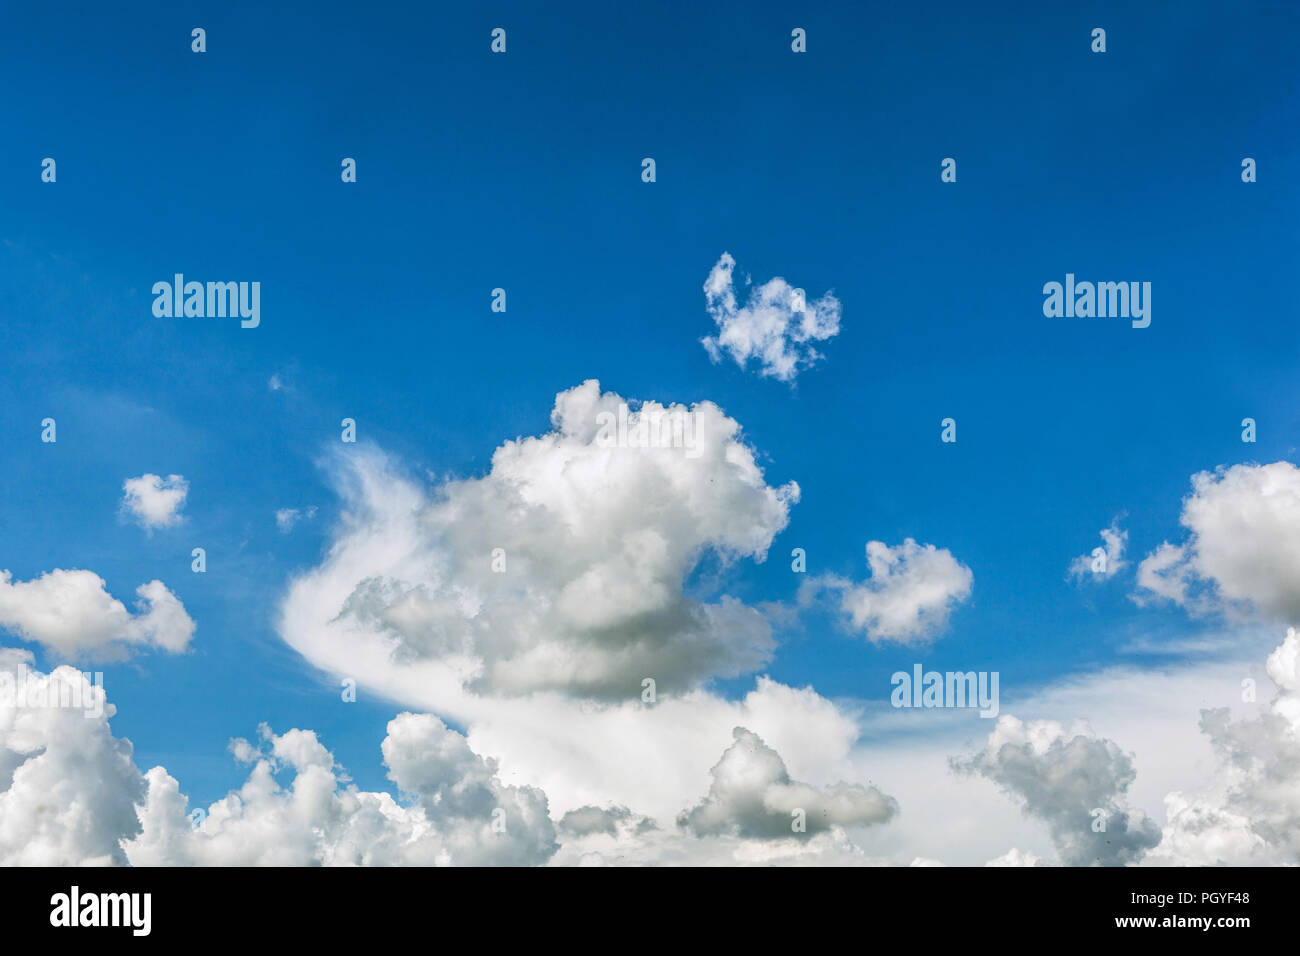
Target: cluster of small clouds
{"x": 776, "y": 327}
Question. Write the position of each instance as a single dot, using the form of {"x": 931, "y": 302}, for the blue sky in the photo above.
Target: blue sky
{"x": 522, "y": 171}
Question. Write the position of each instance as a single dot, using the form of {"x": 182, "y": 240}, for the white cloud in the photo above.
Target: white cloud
{"x": 909, "y": 596}
{"x": 286, "y": 518}
{"x": 1243, "y": 549}
{"x": 1104, "y": 562}
{"x": 1202, "y": 831}
{"x": 775, "y": 326}
{"x": 1252, "y": 814}
{"x": 752, "y": 795}
{"x": 585, "y": 821}
{"x": 68, "y": 788}
{"x": 462, "y": 813}
{"x": 70, "y": 794}
{"x": 155, "y": 502}
{"x": 72, "y": 615}
{"x": 1014, "y": 857}
{"x": 560, "y": 569}
{"x": 634, "y": 844}
{"x": 1074, "y": 782}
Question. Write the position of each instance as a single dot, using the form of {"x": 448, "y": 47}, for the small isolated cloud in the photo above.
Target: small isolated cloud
{"x": 1244, "y": 547}
{"x": 72, "y": 615}
{"x": 155, "y": 502}
{"x": 753, "y": 796}
{"x": 1104, "y": 562}
{"x": 1072, "y": 781}
{"x": 909, "y": 596}
{"x": 775, "y": 327}
{"x": 286, "y": 518}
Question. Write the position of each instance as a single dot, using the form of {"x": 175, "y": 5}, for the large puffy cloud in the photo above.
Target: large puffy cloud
{"x": 153, "y": 501}
{"x": 746, "y": 818}
{"x": 68, "y": 787}
{"x": 560, "y": 569}
{"x": 72, "y": 615}
{"x": 1071, "y": 780}
{"x": 752, "y": 795}
{"x": 909, "y": 596}
{"x": 1243, "y": 549}
{"x": 462, "y": 813}
{"x": 775, "y": 327}
{"x": 1253, "y": 815}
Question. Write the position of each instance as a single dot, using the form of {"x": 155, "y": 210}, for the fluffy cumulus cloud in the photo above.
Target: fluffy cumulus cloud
{"x": 562, "y": 568}
{"x": 775, "y": 328}
{"x": 459, "y": 813}
{"x": 1015, "y": 857}
{"x": 1243, "y": 549}
{"x": 1253, "y": 815}
{"x": 1104, "y": 562}
{"x": 68, "y": 787}
{"x": 72, "y": 615}
{"x": 72, "y": 795}
{"x": 752, "y": 795}
{"x": 286, "y": 518}
{"x": 155, "y": 502}
{"x": 909, "y": 596}
{"x": 1072, "y": 781}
